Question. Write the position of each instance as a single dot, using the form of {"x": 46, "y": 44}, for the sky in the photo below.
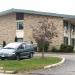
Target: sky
{"x": 53, "y": 6}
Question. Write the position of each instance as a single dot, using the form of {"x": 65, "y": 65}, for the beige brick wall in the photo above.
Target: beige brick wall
{"x": 57, "y": 41}
{"x": 34, "y": 19}
{"x": 7, "y": 28}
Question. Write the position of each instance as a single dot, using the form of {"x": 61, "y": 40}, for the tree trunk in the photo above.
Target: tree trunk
{"x": 42, "y": 52}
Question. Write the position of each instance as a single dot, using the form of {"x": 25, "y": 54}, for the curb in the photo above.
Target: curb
{"x": 57, "y": 64}
{"x": 10, "y": 72}
{"x": 7, "y": 72}
{"x": 45, "y": 67}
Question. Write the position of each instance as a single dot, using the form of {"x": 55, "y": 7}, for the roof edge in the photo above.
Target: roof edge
{"x": 7, "y": 11}
{"x": 36, "y": 12}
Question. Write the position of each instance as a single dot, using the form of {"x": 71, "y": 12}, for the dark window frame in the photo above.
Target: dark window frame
{"x": 66, "y": 40}
{"x": 19, "y": 16}
{"x": 72, "y": 27}
{"x": 73, "y": 41}
{"x": 20, "y": 25}
{"x": 18, "y": 39}
{"x": 66, "y": 24}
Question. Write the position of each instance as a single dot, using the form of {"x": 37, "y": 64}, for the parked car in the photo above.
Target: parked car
{"x": 35, "y": 46}
{"x": 17, "y": 50}
{"x": 1, "y": 46}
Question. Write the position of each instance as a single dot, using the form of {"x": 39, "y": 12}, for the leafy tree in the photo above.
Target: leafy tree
{"x": 43, "y": 32}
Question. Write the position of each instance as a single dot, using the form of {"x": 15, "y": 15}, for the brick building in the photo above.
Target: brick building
{"x": 15, "y": 26}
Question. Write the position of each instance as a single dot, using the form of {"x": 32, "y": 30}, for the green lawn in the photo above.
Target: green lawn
{"x": 28, "y": 64}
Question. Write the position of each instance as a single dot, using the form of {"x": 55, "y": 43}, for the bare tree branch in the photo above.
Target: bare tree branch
{"x": 44, "y": 31}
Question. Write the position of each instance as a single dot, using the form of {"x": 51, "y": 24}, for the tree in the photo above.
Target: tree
{"x": 43, "y": 32}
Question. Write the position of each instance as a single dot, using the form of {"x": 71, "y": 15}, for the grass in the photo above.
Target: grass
{"x": 28, "y": 64}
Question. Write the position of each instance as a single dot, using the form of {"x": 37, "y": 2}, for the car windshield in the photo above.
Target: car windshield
{"x": 12, "y": 46}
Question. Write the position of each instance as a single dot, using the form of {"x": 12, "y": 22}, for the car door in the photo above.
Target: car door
{"x": 27, "y": 50}
{"x": 20, "y": 50}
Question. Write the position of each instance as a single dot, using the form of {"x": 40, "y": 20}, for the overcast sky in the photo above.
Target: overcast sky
{"x": 55, "y": 6}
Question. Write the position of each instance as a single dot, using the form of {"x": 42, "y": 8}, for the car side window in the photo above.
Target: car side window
{"x": 27, "y": 46}
{"x": 24, "y": 46}
{"x": 21, "y": 47}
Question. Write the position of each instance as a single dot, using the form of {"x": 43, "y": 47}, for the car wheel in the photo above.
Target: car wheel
{"x": 18, "y": 57}
{"x": 30, "y": 55}
{"x": 2, "y": 58}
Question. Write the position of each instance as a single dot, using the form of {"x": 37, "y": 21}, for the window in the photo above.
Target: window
{"x": 19, "y": 25}
{"x": 19, "y": 16}
{"x": 66, "y": 25}
{"x": 24, "y": 45}
{"x": 27, "y": 46}
{"x": 21, "y": 47}
{"x": 66, "y": 40}
{"x": 72, "y": 27}
{"x": 18, "y": 39}
{"x": 72, "y": 41}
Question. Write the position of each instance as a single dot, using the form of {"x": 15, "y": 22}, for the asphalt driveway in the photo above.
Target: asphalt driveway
{"x": 68, "y": 68}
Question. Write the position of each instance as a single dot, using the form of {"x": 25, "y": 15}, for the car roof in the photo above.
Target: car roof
{"x": 14, "y": 45}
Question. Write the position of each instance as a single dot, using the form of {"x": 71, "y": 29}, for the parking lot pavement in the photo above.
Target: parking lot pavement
{"x": 68, "y": 68}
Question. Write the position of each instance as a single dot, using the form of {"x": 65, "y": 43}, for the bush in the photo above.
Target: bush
{"x": 66, "y": 48}
{"x": 46, "y": 46}
{"x": 54, "y": 49}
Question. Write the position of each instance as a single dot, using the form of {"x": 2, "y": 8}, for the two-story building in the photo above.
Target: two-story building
{"x": 15, "y": 26}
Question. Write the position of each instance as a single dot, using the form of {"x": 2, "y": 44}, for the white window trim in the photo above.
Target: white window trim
{"x": 19, "y": 21}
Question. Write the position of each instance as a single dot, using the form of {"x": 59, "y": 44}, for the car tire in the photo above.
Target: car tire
{"x": 18, "y": 57}
{"x": 30, "y": 55}
{"x": 2, "y": 58}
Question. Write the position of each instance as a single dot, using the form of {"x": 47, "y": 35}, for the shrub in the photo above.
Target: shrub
{"x": 54, "y": 49}
{"x": 66, "y": 48}
{"x": 46, "y": 46}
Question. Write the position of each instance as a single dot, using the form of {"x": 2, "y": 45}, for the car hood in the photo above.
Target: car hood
{"x": 7, "y": 51}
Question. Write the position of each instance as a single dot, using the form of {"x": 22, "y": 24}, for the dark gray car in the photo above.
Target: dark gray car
{"x": 17, "y": 50}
